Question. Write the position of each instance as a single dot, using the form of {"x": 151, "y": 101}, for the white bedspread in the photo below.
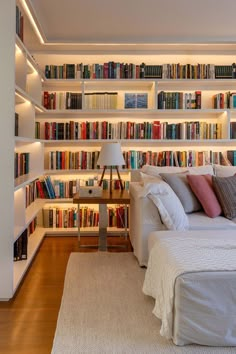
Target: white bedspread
{"x": 182, "y": 253}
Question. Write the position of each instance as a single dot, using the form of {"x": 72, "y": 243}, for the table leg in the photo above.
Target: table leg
{"x": 126, "y": 222}
{"x": 103, "y": 222}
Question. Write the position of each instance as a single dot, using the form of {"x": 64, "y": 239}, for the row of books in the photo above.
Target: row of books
{"x": 20, "y": 248}
{"x": 224, "y": 100}
{"x": 192, "y": 100}
{"x": 22, "y": 161}
{"x": 92, "y": 100}
{"x": 47, "y": 188}
{"x": 183, "y": 158}
{"x": 101, "y": 100}
{"x": 83, "y": 160}
{"x": 58, "y": 217}
{"x": 179, "y": 100}
{"x": 30, "y": 193}
{"x": 108, "y": 100}
{"x": 110, "y": 70}
{"x": 62, "y": 100}
{"x": 19, "y": 23}
{"x": 188, "y": 158}
{"x": 117, "y": 70}
{"x": 131, "y": 130}
{"x": 190, "y": 131}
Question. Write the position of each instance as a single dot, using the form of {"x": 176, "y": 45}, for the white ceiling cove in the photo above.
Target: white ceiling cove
{"x": 136, "y": 21}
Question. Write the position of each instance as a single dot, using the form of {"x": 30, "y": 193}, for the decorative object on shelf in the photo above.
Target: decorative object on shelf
{"x": 90, "y": 191}
{"x": 111, "y": 156}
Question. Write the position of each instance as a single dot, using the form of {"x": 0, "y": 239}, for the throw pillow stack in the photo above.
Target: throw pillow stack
{"x": 196, "y": 188}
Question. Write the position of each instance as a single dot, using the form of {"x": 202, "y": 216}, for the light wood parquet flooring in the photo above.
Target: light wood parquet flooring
{"x": 28, "y": 321}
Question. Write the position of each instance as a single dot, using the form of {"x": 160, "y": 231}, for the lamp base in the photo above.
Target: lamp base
{"x": 118, "y": 173}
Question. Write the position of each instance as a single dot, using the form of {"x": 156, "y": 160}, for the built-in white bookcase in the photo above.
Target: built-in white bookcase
{"x": 22, "y": 93}
{"x": 28, "y": 89}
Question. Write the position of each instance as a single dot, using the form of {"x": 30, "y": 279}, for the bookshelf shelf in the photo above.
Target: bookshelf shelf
{"x": 19, "y": 140}
{"x": 22, "y": 181}
{"x": 197, "y": 84}
{"x": 96, "y": 84}
{"x": 141, "y": 142}
{"x": 58, "y": 200}
{"x": 84, "y": 231}
{"x": 32, "y": 210}
{"x": 129, "y": 113}
{"x": 32, "y": 65}
{"x": 21, "y": 97}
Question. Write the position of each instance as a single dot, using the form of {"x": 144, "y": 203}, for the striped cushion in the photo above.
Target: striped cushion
{"x": 225, "y": 188}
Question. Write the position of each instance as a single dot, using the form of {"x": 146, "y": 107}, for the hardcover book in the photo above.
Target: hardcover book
{"x": 136, "y": 100}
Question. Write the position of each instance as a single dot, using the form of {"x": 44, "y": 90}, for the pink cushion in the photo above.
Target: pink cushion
{"x": 201, "y": 186}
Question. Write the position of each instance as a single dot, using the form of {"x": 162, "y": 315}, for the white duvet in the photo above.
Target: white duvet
{"x": 184, "y": 252}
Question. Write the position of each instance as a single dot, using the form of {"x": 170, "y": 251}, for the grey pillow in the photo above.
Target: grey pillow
{"x": 179, "y": 183}
{"x": 225, "y": 188}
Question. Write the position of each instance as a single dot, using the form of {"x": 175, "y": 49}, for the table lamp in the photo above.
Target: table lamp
{"x": 111, "y": 157}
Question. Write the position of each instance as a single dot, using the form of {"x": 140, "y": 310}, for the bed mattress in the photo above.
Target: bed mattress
{"x": 204, "y": 309}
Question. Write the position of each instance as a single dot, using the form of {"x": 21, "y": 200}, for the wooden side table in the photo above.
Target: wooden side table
{"x": 117, "y": 197}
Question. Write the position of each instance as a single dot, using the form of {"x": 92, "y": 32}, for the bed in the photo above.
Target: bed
{"x": 192, "y": 277}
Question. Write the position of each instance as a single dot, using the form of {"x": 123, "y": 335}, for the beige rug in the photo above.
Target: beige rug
{"x": 103, "y": 310}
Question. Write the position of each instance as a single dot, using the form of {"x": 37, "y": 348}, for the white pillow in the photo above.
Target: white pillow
{"x": 145, "y": 178}
{"x": 156, "y": 170}
{"x": 168, "y": 204}
{"x": 198, "y": 170}
{"x": 224, "y": 171}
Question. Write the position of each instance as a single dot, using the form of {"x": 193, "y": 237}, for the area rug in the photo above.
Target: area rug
{"x": 103, "y": 310}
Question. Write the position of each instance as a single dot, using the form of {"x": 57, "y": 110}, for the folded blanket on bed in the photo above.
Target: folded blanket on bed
{"x": 184, "y": 252}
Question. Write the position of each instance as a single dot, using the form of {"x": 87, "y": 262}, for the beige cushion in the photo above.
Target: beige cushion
{"x": 156, "y": 170}
{"x": 224, "y": 171}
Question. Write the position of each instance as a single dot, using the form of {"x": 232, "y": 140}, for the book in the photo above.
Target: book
{"x": 232, "y": 130}
{"x": 142, "y": 100}
{"x": 130, "y": 100}
{"x": 233, "y": 100}
{"x": 136, "y": 100}
{"x": 16, "y": 124}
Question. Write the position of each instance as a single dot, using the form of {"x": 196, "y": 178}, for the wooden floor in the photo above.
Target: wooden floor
{"x": 28, "y": 321}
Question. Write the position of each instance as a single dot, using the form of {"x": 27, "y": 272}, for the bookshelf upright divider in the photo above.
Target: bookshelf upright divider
{"x": 28, "y": 162}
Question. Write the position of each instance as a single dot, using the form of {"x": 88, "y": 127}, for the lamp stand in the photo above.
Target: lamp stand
{"x": 118, "y": 173}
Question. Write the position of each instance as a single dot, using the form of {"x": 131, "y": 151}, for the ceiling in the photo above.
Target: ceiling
{"x": 126, "y": 22}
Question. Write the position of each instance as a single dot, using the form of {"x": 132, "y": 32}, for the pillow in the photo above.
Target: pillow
{"x": 201, "y": 186}
{"x": 179, "y": 184}
{"x": 225, "y": 188}
{"x": 156, "y": 170}
{"x": 224, "y": 171}
{"x": 145, "y": 178}
{"x": 169, "y": 206}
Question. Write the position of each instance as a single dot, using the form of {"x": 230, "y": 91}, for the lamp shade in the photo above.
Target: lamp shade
{"x": 111, "y": 155}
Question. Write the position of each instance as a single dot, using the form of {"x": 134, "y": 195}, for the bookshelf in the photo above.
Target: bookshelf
{"x": 24, "y": 96}
{"x": 20, "y": 93}
{"x": 93, "y": 112}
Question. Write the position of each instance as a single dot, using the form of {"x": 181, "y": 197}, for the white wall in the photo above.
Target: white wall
{"x": 7, "y": 111}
